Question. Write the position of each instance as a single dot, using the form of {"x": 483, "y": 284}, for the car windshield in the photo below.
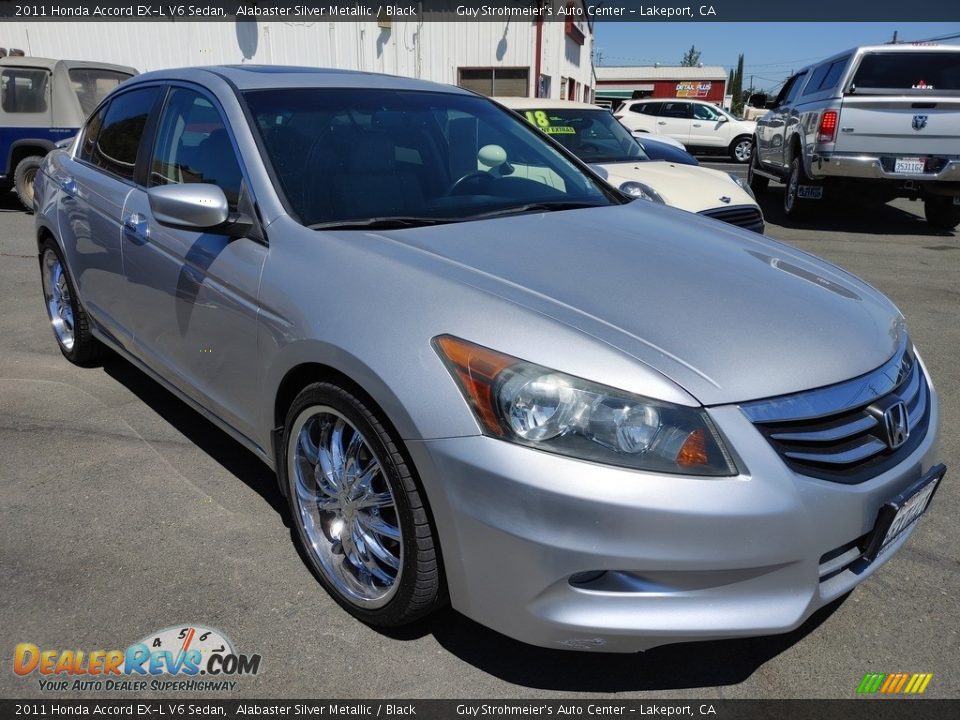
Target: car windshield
{"x": 372, "y": 157}
{"x": 592, "y": 135}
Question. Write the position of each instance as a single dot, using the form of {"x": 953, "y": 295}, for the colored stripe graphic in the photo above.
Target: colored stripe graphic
{"x": 894, "y": 683}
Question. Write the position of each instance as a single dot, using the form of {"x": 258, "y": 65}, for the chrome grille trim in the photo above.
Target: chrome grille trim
{"x": 835, "y": 398}
{"x": 851, "y": 444}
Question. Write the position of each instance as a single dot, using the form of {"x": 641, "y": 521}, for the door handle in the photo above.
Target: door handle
{"x": 136, "y": 224}
{"x": 696, "y": 124}
{"x": 661, "y": 122}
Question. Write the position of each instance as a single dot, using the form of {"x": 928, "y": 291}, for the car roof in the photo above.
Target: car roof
{"x": 522, "y": 103}
{"x": 50, "y": 64}
{"x": 262, "y": 77}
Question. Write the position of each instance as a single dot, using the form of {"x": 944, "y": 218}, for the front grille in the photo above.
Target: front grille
{"x": 839, "y": 433}
{"x": 745, "y": 216}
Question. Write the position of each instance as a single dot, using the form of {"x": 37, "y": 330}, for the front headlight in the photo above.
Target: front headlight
{"x": 641, "y": 190}
{"x": 743, "y": 185}
{"x": 532, "y": 405}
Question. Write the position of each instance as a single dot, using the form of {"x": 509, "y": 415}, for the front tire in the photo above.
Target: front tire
{"x": 794, "y": 206}
{"x": 358, "y": 510}
{"x": 757, "y": 183}
{"x": 741, "y": 149}
{"x": 941, "y": 212}
{"x": 70, "y": 322}
{"x": 23, "y": 177}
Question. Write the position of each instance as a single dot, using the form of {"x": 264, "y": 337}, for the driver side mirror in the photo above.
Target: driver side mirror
{"x": 197, "y": 206}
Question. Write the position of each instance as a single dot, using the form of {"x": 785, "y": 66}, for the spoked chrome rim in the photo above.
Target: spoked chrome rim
{"x": 56, "y": 291}
{"x": 743, "y": 150}
{"x": 346, "y": 508}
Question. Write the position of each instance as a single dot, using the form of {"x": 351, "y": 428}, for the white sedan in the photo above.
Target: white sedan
{"x": 594, "y": 135}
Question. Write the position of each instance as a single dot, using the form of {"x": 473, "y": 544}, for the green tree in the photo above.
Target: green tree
{"x": 736, "y": 88}
{"x": 691, "y": 57}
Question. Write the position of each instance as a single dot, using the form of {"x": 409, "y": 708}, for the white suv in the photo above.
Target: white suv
{"x": 695, "y": 123}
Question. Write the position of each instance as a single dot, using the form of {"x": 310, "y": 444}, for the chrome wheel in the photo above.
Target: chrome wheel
{"x": 346, "y": 509}
{"x": 56, "y": 292}
{"x": 742, "y": 150}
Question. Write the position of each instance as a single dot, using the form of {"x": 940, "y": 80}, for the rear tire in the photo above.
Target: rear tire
{"x": 357, "y": 507}
{"x": 757, "y": 183}
{"x": 941, "y": 212}
{"x": 70, "y": 322}
{"x": 794, "y": 206}
{"x": 23, "y": 178}
{"x": 741, "y": 149}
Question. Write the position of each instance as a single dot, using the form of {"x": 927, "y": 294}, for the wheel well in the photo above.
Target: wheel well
{"x": 22, "y": 151}
{"x": 43, "y": 234}
{"x": 300, "y": 376}
{"x": 795, "y": 150}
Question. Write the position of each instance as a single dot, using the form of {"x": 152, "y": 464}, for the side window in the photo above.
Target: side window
{"x": 705, "y": 112}
{"x": 115, "y": 147}
{"x": 24, "y": 90}
{"x": 818, "y": 75}
{"x": 795, "y": 90}
{"x": 647, "y": 108}
{"x": 90, "y": 133}
{"x": 193, "y": 146}
{"x": 833, "y": 74}
{"x": 675, "y": 110}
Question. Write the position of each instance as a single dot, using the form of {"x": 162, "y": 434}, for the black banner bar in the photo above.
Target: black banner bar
{"x": 177, "y": 708}
{"x": 479, "y": 10}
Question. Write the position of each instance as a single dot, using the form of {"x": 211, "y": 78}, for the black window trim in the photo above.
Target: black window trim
{"x": 105, "y": 106}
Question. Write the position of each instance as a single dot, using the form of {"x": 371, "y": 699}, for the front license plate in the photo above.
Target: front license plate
{"x": 909, "y": 166}
{"x": 903, "y": 511}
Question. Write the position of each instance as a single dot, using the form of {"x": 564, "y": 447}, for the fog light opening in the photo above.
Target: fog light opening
{"x": 585, "y": 578}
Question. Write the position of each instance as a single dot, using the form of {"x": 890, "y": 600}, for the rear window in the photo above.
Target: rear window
{"x": 93, "y": 84}
{"x": 912, "y": 72}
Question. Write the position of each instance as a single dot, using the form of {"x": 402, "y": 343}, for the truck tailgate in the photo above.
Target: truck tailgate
{"x": 877, "y": 124}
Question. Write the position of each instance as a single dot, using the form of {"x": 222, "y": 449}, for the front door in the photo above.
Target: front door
{"x": 197, "y": 291}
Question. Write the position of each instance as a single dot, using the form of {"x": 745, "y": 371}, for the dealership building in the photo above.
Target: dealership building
{"x": 525, "y": 57}
{"x": 616, "y": 84}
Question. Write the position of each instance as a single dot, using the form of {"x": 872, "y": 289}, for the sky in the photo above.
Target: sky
{"x": 771, "y": 50}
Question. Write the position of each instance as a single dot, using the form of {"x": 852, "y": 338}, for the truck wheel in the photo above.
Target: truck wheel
{"x": 757, "y": 183}
{"x": 941, "y": 212}
{"x": 23, "y": 177}
{"x": 796, "y": 207}
{"x": 741, "y": 149}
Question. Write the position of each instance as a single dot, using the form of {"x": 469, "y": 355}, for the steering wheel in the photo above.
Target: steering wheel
{"x": 477, "y": 175}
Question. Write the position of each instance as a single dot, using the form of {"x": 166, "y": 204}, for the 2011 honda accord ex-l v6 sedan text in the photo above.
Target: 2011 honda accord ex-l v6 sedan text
{"x": 482, "y": 374}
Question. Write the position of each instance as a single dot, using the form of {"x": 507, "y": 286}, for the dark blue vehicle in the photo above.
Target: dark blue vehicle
{"x": 43, "y": 101}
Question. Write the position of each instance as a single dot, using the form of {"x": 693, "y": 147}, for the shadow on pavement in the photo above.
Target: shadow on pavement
{"x": 849, "y": 214}
{"x": 222, "y": 448}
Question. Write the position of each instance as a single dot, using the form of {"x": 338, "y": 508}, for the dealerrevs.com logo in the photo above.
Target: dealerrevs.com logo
{"x": 185, "y": 652}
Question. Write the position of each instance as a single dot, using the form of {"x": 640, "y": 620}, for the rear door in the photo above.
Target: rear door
{"x": 710, "y": 127}
{"x": 94, "y": 186}
{"x": 674, "y": 120}
{"x": 902, "y": 104}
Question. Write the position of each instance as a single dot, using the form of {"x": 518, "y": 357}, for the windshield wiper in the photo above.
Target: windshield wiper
{"x": 382, "y": 223}
{"x": 534, "y": 208}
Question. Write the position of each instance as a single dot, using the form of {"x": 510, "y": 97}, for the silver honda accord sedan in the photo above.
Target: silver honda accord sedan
{"x": 482, "y": 375}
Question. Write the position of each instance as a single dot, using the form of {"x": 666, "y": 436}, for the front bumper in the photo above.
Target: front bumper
{"x": 568, "y": 554}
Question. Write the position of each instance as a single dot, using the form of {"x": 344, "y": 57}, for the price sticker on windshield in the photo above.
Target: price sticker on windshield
{"x": 543, "y": 121}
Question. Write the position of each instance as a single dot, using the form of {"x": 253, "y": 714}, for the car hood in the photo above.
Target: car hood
{"x": 687, "y": 187}
{"x": 726, "y": 314}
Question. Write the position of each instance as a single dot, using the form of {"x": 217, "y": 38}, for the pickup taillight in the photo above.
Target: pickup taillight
{"x": 828, "y": 126}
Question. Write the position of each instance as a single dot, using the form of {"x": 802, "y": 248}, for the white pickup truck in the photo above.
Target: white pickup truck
{"x": 880, "y": 121}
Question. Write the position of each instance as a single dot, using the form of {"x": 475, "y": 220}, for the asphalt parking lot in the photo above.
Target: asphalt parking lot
{"x": 125, "y": 512}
